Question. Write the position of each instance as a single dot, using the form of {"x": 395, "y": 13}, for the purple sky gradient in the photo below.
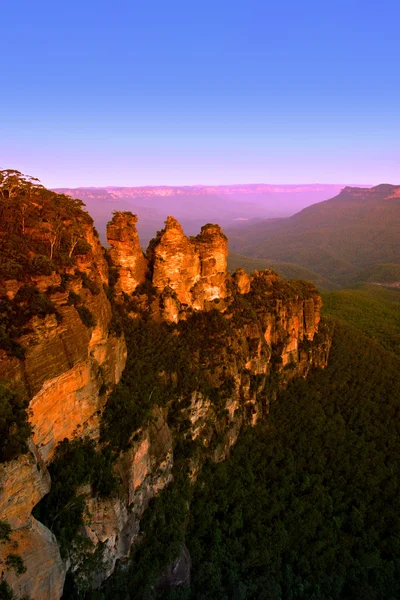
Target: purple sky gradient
{"x": 179, "y": 93}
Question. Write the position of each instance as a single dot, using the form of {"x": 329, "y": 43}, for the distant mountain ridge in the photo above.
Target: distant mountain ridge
{"x": 171, "y": 190}
{"x": 227, "y": 205}
{"x": 336, "y": 238}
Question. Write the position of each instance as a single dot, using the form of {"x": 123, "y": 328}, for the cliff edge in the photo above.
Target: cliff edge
{"x": 206, "y": 353}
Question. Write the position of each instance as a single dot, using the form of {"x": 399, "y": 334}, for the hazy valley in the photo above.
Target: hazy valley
{"x": 195, "y": 205}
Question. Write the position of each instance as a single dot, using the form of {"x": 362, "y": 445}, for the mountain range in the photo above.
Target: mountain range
{"x": 336, "y": 238}
{"x": 227, "y": 205}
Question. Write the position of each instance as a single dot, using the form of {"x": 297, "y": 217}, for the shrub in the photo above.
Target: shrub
{"x": 86, "y": 316}
{"x": 42, "y": 265}
{"x": 10, "y": 268}
{"x": 35, "y": 303}
{"x": 82, "y": 247}
{"x": 16, "y": 313}
{"x": 73, "y": 298}
{"x": 5, "y": 531}
{"x": 14, "y": 426}
{"x": 6, "y": 592}
{"x": 88, "y": 283}
{"x": 14, "y": 561}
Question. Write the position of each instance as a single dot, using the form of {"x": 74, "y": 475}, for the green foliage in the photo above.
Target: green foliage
{"x": 113, "y": 276}
{"x": 39, "y": 222}
{"x": 378, "y": 273}
{"x": 285, "y": 270}
{"x": 73, "y": 299}
{"x": 6, "y": 592}
{"x": 42, "y": 265}
{"x": 163, "y": 528}
{"x": 75, "y": 464}
{"x": 15, "y": 315}
{"x": 88, "y": 283}
{"x": 34, "y": 302}
{"x": 14, "y": 427}
{"x": 82, "y": 247}
{"x": 334, "y": 239}
{"x": 5, "y": 531}
{"x": 130, "y": 404}
{"x": 308, "y": 504}
{"x": 184, "y": 350}
{"x": 373, "y": 309}
{"x": 146, "y": 288}
{"x": 15, "y": 562}
{"x": 86, "y": 316}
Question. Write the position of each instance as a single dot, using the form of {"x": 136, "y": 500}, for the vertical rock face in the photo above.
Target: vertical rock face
{"x": 175, "y": 262}
{"x": 23, "y": 482}
{"x": 45, "y": 571}
{"x": 68, "y": 370}
{"x": 126, "y": 252}
{"x": 66, "y": 362}
{"x": 114, "y": 523}
{"x": 212, "y": 247}
{"x": 242, "y": 280}
{"x": 188, "y": 272}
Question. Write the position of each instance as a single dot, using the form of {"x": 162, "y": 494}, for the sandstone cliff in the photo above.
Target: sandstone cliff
{"x": 222, "y": 339}
{"x": 66, "y": 368}
{"x": 185, "y": 272}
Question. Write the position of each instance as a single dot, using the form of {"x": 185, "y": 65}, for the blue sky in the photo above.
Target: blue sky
{"x": 199, "y": 91}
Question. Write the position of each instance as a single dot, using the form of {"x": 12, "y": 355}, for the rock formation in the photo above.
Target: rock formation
{"x": 126, "y": 252}
{"x": 70, "y": 368}
{"x": 186, "y": 272}
{"x": 68, "y": 371}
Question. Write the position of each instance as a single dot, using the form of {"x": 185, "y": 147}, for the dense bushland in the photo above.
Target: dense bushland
{"x": 41, "y": 232}
{"x": 308, "y": 505}
{"x": 373, "y": 309}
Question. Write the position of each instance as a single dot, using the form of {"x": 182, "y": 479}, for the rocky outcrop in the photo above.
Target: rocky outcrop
{"x": 175, "y": 264}
{"x": 259, "y": 326}
{"x": 45, "y": 571}
{"x": 185, "y": 272}
{"x": 113, "y": 524}
{"x": 66, "y": 363}
{"x": 126, "y": 253}
{"x": 23, "y": 482}
{"x": 68, "y": 371}
{"x": 177, "y": 574}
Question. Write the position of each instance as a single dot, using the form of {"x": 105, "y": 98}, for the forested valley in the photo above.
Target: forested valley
{"x": 307, "y": 505}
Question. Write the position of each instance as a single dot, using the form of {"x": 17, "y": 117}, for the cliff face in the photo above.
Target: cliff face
{"x": 67, "y": 370}
{"x": 126, "y": 252}
{"x": 186, "y": 272}
{"x": 253, "y": 327}
{"x": 66, "y": 362}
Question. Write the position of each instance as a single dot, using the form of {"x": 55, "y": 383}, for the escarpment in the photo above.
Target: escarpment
{"x": 205, "y": 354}
{"x": 58, "y": 351}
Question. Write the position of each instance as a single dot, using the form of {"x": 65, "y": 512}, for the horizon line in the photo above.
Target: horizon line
{"x": 199, "y": 185}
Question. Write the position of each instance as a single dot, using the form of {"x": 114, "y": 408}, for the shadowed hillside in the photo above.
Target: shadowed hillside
{"x": 285, "y": 270}
{"x": 336, "y": 238}
{"x": 373, "y": 309}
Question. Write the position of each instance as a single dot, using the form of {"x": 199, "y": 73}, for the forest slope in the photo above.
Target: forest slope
{"x": 335, "y": 238}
